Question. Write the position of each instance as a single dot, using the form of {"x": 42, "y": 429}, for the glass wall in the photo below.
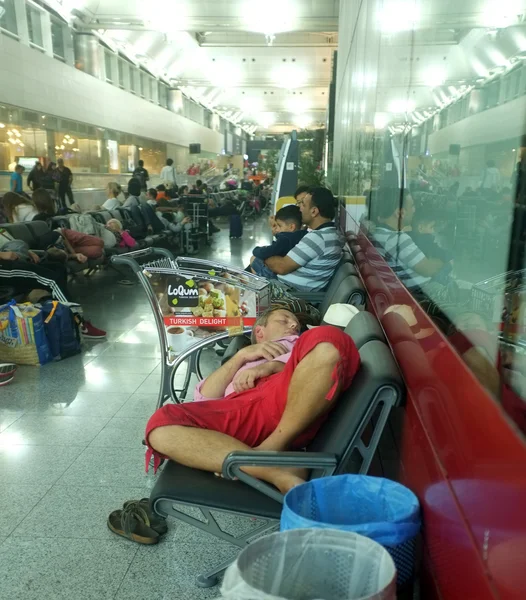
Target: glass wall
{"x": 85, "y": 148}
{"x": 431, "y": 130}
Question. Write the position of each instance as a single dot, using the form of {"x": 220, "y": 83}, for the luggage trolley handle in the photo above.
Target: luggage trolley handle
{"x": 130, "y": 258}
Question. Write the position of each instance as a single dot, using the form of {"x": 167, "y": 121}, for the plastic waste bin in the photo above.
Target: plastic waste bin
{"x": 325, "y": 564}
{"x": 380, "y": 509}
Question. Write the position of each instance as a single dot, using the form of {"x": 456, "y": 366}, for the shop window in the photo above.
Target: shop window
{"x": 121, "y": 66}
{"x": 34, "y": 25}
{"x": 57, "y": 38}
{"x": 8, "y": 20}
{"x": 108, "y": 65}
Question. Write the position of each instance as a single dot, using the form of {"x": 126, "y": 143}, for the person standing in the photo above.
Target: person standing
{"x": 15, "y": 184}
{"x": 64, "y": 183}
{"x": 35, "y": 177}
{"x": 142, "y": 175}
{"x": 168, "y": 173}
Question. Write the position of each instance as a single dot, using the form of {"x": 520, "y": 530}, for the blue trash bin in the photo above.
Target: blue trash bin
{"x": 377, "y": 508}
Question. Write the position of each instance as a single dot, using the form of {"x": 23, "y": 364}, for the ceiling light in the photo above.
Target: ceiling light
{"x": 435, "y": 76}
{"x": 380, "y": 120}
{"x": 399, "y": 16}
{"x": 501, "y": 13}
{"x": 266, "y": 119}
{"x": 402, "y": 106}
{"x": 289, "y": 76}
{"x": 273, "y": 16}
{"x": 303, "y": 121}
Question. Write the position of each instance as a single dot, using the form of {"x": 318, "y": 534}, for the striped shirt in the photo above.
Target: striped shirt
{"x": 401, "y": 254}
{"x": 318, "y": 254}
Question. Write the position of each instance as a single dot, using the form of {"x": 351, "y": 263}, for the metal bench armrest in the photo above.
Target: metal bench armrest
{"x": 308, "y": 460}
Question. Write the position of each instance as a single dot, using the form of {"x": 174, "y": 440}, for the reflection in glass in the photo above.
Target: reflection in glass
{"x": 430, "y": 132}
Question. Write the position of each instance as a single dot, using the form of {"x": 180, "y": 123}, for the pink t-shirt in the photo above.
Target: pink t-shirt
{"x": 287, "y": 341}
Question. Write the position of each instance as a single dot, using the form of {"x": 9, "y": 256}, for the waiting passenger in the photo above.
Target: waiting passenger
{"x": 161, "y": 193}
{"x": 151, "y": 197}
{"x": 123, "y": 237}
{"x": 16, "y": 184}
{"x": 288, "y": 232}
{"x": 18, "y": 209}
{"x": 184, "y": 190}
{"x": 310, "y": 265}
{"x": 142, "y": 175}
{"x": 35, "y": 177}
{"x": 134, "y": 190}
{"x": 168, "y": 173}
{"x": 277, "y": 404}
{"x": 113, "y": 190}
{"x": 423, "y": 234}
{"x": 400, "y": 252}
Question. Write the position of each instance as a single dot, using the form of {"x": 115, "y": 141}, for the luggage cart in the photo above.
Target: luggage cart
{"x": 154, "y": 266}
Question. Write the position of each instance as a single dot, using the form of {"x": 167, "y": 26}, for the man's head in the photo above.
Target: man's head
{"x": 19, "y": 169}
{"x": 152, "y": 194}
{"x": 141, "y": 163}
{"x": 169, "y": 162}
{"x": 393, "y": 207}
{"x": 286, "y": 219}
{"x": 198, "y": 183}
{"x": 301, "y": 192}
{"x": 134, "y": 187}
{"x": 60, "y": 163}
{"x": 317, "y": 207}
{"x": 274, "y": 324}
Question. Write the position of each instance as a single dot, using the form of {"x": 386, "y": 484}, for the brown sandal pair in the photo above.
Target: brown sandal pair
{"x": 136, "y": 522}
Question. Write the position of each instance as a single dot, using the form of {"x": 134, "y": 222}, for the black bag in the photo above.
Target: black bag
{"x": 236, "y": 226}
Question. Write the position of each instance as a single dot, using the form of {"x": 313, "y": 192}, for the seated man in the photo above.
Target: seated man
{"x": 310, "y": 265}
{"x": 400, "y": 252}
{"x": 288, "y": 232}
{"x": 277, "y": 405}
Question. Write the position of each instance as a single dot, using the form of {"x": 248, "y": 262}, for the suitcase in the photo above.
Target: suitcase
{"x": 236, "y": 226}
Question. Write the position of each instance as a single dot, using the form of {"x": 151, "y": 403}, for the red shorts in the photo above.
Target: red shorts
{"x": 251, "y": 416}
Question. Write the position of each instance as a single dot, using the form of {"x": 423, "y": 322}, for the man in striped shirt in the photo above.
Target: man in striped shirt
{"x": 405, "y": 258}
{"x": 310, "y": 265}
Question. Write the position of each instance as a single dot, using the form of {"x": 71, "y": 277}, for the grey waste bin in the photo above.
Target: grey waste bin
{"x": 311, "y": 563}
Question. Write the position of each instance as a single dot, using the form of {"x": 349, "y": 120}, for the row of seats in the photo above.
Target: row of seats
{"x": 140, "y": 221}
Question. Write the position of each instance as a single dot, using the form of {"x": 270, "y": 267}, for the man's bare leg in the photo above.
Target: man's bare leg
{"x": 306, "y": 402}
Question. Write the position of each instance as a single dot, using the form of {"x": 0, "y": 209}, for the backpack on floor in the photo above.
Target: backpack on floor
{"x": 236, "y": 226}
{"x": 61, "y": 330}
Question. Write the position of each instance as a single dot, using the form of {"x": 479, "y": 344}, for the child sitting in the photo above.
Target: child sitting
{"x": 123, "y": 237}
{"x": 161, "y": 193}
{"x": 423, "y": 235}
{"x": 286, "y": 226}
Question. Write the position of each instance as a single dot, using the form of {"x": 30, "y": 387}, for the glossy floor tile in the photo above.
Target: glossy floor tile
{"x": 71, "y": 452}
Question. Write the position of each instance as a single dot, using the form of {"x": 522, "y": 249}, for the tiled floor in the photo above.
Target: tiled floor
{"x": 70, "y": 453}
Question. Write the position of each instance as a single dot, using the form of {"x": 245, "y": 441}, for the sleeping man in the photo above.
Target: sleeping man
{"x": 272, "y": 395}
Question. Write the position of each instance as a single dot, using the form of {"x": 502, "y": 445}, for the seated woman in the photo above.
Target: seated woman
{"x": 17, "y": 208}
{"x": 113, "y": 190}
{"x": 134, "y": 190}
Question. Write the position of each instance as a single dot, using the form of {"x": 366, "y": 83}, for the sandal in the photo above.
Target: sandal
{"x": 133, "y": 523}
{"x": 157, "y": 523}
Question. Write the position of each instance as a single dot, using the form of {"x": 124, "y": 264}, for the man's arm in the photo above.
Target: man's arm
{"x": 428, "y": 267}
{"x": 13, "y": 184}
{"x": 281, "y": 265}
{"x": 278, "y": 248}
{"x": 215, "y": 384}
{"x": 70, "y": 177}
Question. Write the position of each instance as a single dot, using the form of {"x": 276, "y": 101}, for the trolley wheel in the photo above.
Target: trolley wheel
{"x": 207, "y": 582}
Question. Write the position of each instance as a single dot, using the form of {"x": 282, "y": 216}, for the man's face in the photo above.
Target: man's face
{"x": 60, "y": 163}
{"x": 307, "y": 209}
{"x": 281, "y": 323}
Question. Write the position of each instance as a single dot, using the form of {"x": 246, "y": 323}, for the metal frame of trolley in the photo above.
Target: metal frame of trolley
{"x": 150, "y": 261}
